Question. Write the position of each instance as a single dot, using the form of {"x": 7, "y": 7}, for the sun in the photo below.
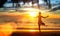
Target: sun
{"x": 33, "y": 14}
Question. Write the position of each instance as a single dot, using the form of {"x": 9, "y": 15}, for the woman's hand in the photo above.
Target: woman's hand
{"x": 45, "y": 17}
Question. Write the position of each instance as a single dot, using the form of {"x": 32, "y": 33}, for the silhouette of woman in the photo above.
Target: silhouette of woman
{"x": 40, "y": 21}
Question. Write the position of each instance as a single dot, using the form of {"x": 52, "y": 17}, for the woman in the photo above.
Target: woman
{"x": 40, "y": 21}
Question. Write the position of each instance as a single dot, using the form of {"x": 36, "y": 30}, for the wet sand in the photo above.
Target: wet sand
{"x": 54, "y": 33}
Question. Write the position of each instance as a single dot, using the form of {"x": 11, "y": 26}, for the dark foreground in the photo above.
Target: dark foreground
{"x": 35, "y": 34}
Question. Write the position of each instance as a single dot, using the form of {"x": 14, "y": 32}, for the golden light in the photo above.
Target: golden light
{"x": 33, "y": 14}
{"x": 6, "y": 29}
{"x": 32, "y": 31}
